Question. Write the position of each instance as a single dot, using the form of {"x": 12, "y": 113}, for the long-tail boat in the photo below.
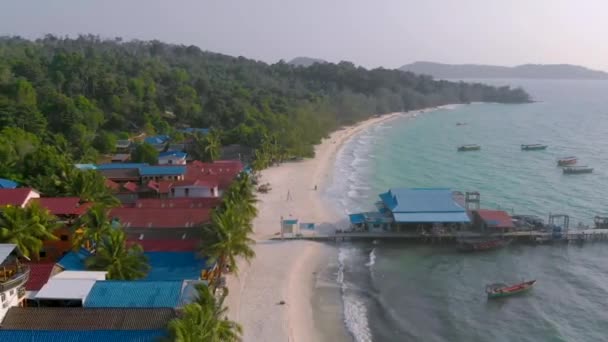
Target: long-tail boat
{"x": 465, "y": 148}
{"x": 477, "y": 245}
{"x": 502, "y": 290}
{"x": 566, "y": 161}
{"x": 533, "y": 147}
{"x": 574, "y": 170}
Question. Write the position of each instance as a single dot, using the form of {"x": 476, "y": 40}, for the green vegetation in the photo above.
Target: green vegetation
{"x": 27, "y": 228}
{"x": 122, "y": 262}
{"x": 77, "y": 96}
{"x": 226, "y": 238}
{"x": 144, "y": 153}
{"x": 204, "y": 320}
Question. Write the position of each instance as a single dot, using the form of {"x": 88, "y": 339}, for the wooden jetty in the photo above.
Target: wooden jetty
{"x": 452, "y": 237}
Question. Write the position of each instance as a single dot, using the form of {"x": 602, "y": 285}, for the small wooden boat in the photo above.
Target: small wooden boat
{"x": 574, "y": 170}
{"x": 567, "y": 161}
{"x": 461, "y": 123}
{"x": 477, "y": 245}
{"x": 465, "y": 148}
{"x": 502, "y": 290}
{"x": 533, "y": 147}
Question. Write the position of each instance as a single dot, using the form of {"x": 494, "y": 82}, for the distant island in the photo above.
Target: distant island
{"x": 306, "y": 61}
{"x": 530, "y": 71}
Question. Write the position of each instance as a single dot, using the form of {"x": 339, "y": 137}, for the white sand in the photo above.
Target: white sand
{"x": 283, "y": 270}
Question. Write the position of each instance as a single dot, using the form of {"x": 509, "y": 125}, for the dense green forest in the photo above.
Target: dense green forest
{"x": 78, "y": 96}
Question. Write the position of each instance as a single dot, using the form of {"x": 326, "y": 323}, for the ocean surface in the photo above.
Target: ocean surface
{"x": 401, "y": 292}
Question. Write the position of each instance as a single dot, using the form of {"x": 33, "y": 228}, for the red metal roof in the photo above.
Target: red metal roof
{"x": 161, "y": 218}
{"x": 16, "y": 197}
{"x": 39, "y": 275}
{"x": 112, "y": 184}
{"x": 130, "y": 186}
{"x": 205, "y": 182}
{"x": 221, "y": 172}
{"x": 167, "y": 245}
{"x": 496, "y": 218}
{"x": 181, "y": 202}
{"x": 63, "y": 205}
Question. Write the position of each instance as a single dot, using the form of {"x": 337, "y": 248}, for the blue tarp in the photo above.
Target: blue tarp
{"x": 357, "y": 218}
{"x": 431, "y": 217}
{"x": 81, "y": 336}
{"x": 416, "y": 200}
{"x": 134, "y": 294}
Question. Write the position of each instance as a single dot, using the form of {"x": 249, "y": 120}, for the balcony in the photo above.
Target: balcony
{"x": 13, "y": 276}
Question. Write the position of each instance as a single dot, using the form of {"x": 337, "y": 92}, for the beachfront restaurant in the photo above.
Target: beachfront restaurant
{"x": 409, "y": 210}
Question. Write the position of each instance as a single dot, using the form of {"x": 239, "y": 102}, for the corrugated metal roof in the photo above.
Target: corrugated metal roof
{"x": 85, "y": 275}
{"x": 74, "y": 261}
{"x": 496, "y": 218}
{"x": 7, "y": 184}
{"x": 420, "y": 200}
{"x": 176, "y": 154}
{"x": 85, "y": 166}
{"x": 356, "y": 218}
{"x": 66, "y": 289}
{"x": 153, "y": 218}
{"x": 167, "y": 245}
{"x": 5, "y": 250}
{"x": 63, "y": 205}
{"x": 81, "y": 336}
{"x": 115, "y": 166}
{"x": 86, "y": 319}
{"x": 162, "y": 170}
{"x": 434, "y": 217}
{"x": 174, "y": 266}
{"x": 16, "y": 197}
{"x": 134, "y": 294}
{"x": 39, "y": 275}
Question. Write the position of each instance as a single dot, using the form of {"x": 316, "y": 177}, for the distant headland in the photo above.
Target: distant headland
{"x": 529, "y": 71}
{"x": 306, "y": 61}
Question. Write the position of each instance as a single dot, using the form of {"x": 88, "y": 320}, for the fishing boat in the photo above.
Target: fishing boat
{"x": 533, "y": 147}
{"x": 465, "y": 148}
{"x": 567, "y": 161}
{"x": 502, "y": 290}
{"x": 476, "y": 245}
{"x": 574, "y": 170}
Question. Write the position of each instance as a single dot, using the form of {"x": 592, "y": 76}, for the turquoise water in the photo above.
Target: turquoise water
{"x": 418, "y": 293}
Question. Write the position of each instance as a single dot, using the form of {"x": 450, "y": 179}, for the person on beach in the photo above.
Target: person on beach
{"x": 288, "y": 195}
{"x": 315, "y": 187}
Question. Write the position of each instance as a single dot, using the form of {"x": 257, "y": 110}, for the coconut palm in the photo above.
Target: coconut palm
{"x": 241, "y": 194}
{"x": 122, "y": 262}
{"x": 204, "y": 320}
{"x": 212, "y": 147}
{"x": 89, "y": 186}
{"x": 91, "y": 227}
{"x": 27, "y": 227}
{"x": 227, "y": 238}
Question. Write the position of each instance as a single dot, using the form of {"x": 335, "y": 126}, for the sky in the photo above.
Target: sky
{"x": 371, "y": 33}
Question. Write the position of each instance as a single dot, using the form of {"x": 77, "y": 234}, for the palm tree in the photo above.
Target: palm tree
{"x": 212, "y": 147}
{"x": 89, "y": 186}
{"x": 92, "y": 227}
{"x": 27, "y": 227}
{"x": 241, "y": 194}
{"x": 121, "y": 262}
{"x": 227, "y": 238}
{"x": 204, "y": 320}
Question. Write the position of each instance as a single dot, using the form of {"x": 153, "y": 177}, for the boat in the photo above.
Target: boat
{"x": 501, "y": 290}
{"x": 567, "y": 161}
{"x": 533, "y": 147}
{"x": 471, "y": 147}
{"x": 476, "y": 245}
{"x": 461, "y": 123}
{"x": 574, "y": 170}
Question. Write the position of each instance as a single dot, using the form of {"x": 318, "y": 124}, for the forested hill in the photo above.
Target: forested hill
{"x": 83, "y": 93}
{"x": 533, "y": 71}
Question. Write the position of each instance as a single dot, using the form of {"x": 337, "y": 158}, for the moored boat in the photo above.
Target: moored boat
{"x": 477, "y": 245}
{"x": 502, "y": 290}
{"x": 567, "y": 161}
{"x": 574, "y": 170}
{"x": 533, "y": 147}
{"x": 471, "y": 147}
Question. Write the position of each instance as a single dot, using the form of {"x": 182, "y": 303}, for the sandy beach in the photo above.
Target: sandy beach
{"x": 285, "y": 270}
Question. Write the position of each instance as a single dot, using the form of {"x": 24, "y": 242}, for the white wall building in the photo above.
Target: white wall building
{"x": 194, "y": 189}
{"x": 13, "y": 277}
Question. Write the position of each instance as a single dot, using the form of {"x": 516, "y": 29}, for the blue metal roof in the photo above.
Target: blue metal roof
{"x": 157, "y": 139}
{"x": 174, "y": 266}
{"x": 7, "y": 184}
{"x": 81, "y": 336}
{"x": 420, "y": 200}
{"x": 195, "y": 130}
{"x": 134, "y": 294}
{"x": 435, "y": 217}
{"x": 85, "y": 166}
{"x": 357, "y": 218}
{"x": 74, "y": 261}
{"x": 177, "y": 154}
{"x": 162, "y": 170}
{"x": 114, "y": 166}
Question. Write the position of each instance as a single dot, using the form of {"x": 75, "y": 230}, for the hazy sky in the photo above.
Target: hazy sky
{"x": 371, "y": 33}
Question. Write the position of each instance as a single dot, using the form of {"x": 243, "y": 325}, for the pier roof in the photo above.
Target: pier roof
{"x": 423, "y": 205}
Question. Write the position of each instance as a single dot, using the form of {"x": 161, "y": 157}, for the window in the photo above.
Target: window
{"x": 187, "y": 192}
{"x": 170, "y": 161}
{"x": 42, "y": 254}
{"x": 64, "y": 237}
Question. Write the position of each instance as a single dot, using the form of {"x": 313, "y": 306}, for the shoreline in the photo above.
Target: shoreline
{"x": 286, "y": 270}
